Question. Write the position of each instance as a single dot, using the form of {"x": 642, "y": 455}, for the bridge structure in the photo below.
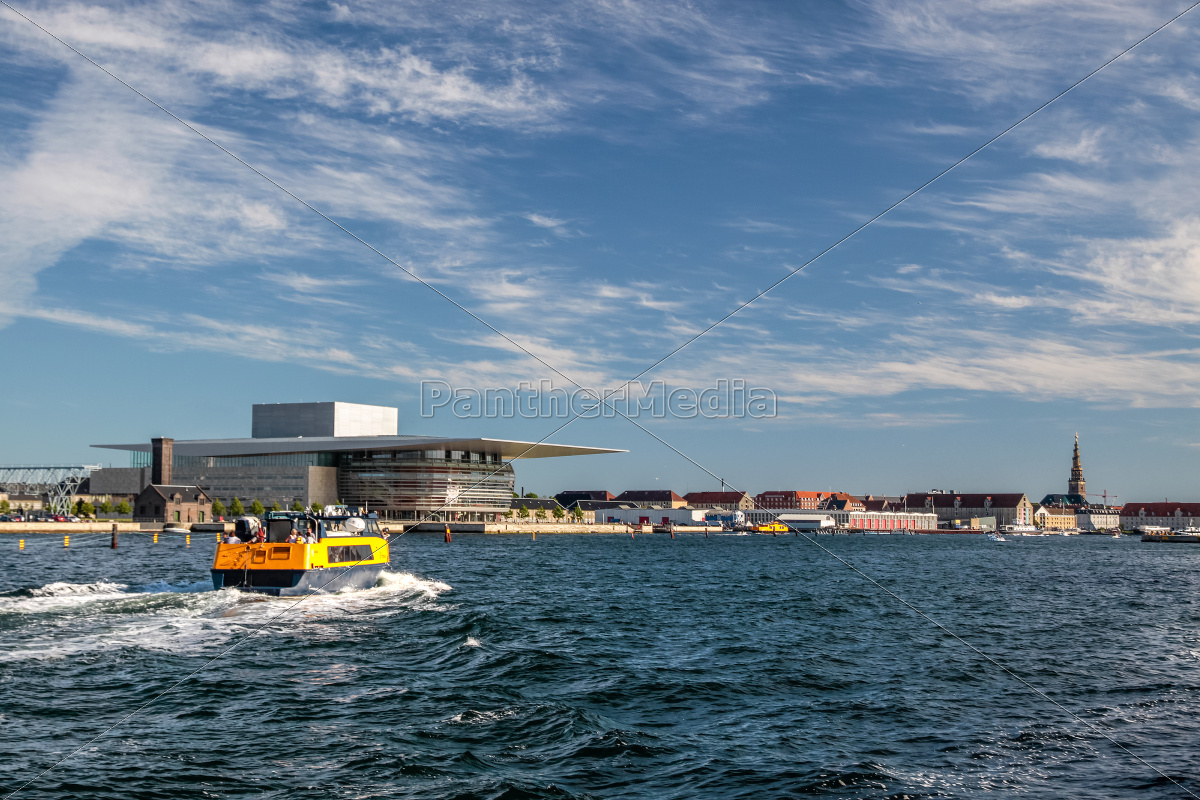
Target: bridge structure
{"x": 59, "y": 482}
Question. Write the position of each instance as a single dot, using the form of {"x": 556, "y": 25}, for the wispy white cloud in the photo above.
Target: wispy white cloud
{"x": 365, "y": 133}
{"x": 309, "y": 284}
{"x": 543, "y": 221}
{"x": 1083, "y": 149}
{"x": 759, "y": 226}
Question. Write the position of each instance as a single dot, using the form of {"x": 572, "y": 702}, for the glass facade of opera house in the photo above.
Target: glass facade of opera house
{"x": 400, "y": 477}
{"x": 399, "y": 484}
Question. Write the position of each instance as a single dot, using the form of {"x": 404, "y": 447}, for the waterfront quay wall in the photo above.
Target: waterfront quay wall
{"x": 106, "y": 526}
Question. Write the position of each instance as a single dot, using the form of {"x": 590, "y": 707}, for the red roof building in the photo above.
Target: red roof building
{"x": 1167, "y": 514}
{"x": 840, "y": 501}
{"x": 729, "y": 501}
{"x": 780, "y": 499}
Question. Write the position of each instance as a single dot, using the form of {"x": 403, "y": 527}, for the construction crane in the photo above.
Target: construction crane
{"x": 1105, "y": 495}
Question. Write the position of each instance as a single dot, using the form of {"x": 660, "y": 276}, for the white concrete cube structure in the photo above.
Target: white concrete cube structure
{"x": 284, "y": 420}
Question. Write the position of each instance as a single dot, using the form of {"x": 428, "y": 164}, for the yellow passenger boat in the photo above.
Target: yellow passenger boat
{"x": 293, "y": 553}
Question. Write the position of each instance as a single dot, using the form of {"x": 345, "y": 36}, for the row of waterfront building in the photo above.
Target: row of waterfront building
{"x": 329, "y": 453}
{"x": 911, "y": 511}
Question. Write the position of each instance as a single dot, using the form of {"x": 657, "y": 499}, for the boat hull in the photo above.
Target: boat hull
{"x": 295, "y": 582}
{"x": 1186, "y": 538}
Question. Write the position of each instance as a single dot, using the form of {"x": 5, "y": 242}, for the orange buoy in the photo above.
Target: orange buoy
{"x": 188, "y": 540}
{"x": 21, "y": 544}
{"x": 66, "y": 541}
{"x": 156, "y": 537}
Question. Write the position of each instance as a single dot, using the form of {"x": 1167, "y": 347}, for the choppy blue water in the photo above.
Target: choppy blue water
{"x": 600, "y": 667}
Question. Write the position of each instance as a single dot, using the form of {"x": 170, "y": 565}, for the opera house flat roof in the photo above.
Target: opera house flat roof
{"x": 507, "y": 449}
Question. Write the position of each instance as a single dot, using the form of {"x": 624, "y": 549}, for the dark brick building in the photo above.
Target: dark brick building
{"x": 158, "y": 503}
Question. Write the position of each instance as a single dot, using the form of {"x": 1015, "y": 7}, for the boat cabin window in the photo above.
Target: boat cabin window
{"x": 279, "y": 530}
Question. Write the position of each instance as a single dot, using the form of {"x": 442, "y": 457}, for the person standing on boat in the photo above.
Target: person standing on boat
{"x": 293, "y": 537}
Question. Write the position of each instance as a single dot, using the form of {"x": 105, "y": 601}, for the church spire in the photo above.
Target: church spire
{"x": 1077, "y": 485}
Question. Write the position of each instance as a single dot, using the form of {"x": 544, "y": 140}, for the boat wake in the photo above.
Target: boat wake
{"x": 407, "y": 582}
{"x": 64, "y": 620}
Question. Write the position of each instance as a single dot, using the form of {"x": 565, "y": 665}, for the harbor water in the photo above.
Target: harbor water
{"x": 609, "y": 667}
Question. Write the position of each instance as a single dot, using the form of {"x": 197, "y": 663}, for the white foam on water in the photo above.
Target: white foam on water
{"x": 190, "y": 618}
{"x": 471, "y": 642}
{"x": 61, "y": 596}
{"x": 393, "y": 590}
{"x": 473, "y": 717}
{"x": 407, "y": 582}
{"x": 59, "y": 589}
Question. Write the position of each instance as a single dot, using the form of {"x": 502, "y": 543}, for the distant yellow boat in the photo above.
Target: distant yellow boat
{"x": 771, "y": 527}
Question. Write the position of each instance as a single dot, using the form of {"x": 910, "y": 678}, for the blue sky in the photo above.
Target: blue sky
{"x": 600, "y": 181}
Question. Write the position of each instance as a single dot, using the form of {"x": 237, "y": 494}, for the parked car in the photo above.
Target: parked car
{"x": 5, "y": 518}
{"x": 73, "y": 518}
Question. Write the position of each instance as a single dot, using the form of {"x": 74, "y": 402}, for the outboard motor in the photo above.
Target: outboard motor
{"x": 245, "y": 528}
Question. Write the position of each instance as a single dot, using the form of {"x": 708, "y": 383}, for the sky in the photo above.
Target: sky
{"x": 567, "y": 192}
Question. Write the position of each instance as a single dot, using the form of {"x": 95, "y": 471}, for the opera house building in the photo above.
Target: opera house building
{"x": 337, "y": 453}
